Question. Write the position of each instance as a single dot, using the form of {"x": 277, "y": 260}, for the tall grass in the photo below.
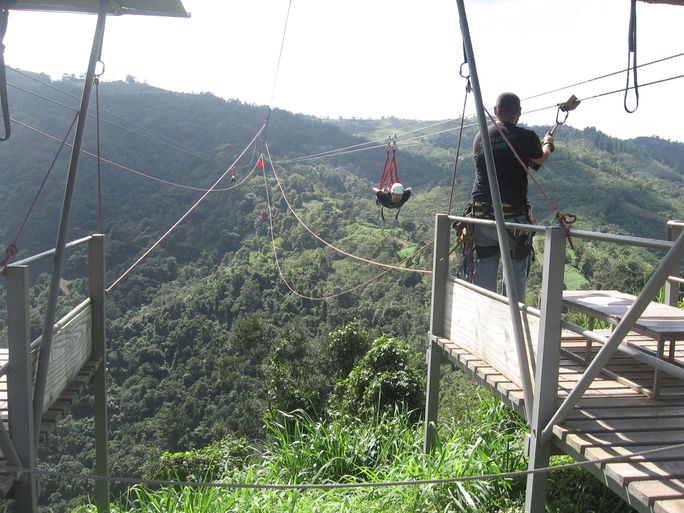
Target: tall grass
{"x": 389, "y": 448}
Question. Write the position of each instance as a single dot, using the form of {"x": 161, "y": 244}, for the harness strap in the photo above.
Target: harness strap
{"x": 4, "y": 103}
{"x": 485, "y": 210}
{"x": 390, "y": 172}
{"x": 632, "y": 58}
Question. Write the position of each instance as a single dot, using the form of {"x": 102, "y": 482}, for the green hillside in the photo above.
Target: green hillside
{"x": 205, "y": 340}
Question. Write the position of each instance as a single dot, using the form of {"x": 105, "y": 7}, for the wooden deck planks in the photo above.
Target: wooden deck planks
{"x": 54, "y": 413}
{"x": 611, "y": 419}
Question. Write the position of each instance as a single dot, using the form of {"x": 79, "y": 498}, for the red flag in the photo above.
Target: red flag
{"x": 260, "y": 162}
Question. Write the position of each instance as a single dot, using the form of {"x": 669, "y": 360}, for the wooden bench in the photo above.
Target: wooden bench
{"x": 659, "y": 322}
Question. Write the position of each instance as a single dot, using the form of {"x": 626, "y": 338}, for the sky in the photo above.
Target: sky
{"x": 374, "y": 58}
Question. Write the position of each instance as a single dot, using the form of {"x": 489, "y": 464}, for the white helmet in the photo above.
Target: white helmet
{"x": 397, "y": 188}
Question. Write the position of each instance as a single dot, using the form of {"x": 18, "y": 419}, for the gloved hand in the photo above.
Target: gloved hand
{"x": 548, "y": 140}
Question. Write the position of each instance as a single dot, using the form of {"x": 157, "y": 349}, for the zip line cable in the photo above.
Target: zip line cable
{"x": 600, "y": 462}
{"x": 607, "y": 93}
{"x": 161, "y": 138}
{"x": 602, "y": 77}
{"x": 158, "y": 139}
{"x": 380, "y": 142}
{"x": 280, "y": 56}
{"x": 194, "y": 152}
{"x": 187, "y": 213}
{"x": 331, "y": 246}
{"x": 122, "y": 167}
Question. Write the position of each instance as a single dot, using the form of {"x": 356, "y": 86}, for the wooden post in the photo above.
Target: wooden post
{"x": 96, "y": 266}
{"x": 440, "y": 271}
{"x": 546, "y": 377}
{"x": 672, "y": 289}
{"x": 20, "y": 386}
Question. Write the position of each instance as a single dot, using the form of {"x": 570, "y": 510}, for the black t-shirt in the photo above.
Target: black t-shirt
{"x": 385, "y": 198}
{"x": 511, "y": 176}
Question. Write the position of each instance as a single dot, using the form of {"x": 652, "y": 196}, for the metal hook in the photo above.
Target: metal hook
{"x": 99, "y": 74}
{"x": 460, "y": 71}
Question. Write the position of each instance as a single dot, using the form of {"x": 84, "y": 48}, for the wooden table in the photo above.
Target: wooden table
{"x": 659, "y": 322}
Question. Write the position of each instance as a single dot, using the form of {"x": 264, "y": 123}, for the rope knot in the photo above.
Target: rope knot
{"x": 9, "y": 253}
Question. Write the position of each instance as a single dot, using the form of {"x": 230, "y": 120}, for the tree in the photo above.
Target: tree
{"x": 384, "y": 380}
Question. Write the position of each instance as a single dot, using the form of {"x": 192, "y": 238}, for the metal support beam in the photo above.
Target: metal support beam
{"x": 96, "y": 283}
{"x": 20, "y": 388}
{"x": 440, "y": 271}
{"x": 671, "y": 261}
{"x": 548, "y": 358}
{"x": 432, "y": 397}
{"x": 51, "y": 307}
{"x": 511, "y": 290}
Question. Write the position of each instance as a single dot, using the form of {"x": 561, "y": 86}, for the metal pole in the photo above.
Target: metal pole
{"x": 498, "y": 216}
{"x": 440, "y": 270}
{"x": 671, "y": 260}
{"x": 548, "y": 358}
{"x": 51, "y": 307}
{"x": 96, "y": 284}
{"x": 21, "y": 451}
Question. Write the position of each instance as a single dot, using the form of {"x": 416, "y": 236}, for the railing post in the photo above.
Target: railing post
{"x": 440, "y": 270}
{"x": 672, "y": 289}
{"x": 546, "y": 376}
{"x": 96, "y": 266}
{"x": 655, "y": 282}
{"x": 20, "y": 386}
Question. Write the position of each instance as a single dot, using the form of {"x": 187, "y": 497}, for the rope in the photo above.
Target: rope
{"x": 280, "y": 56}
{"x": 340, "y": 486}
{"x": 460, "y": 137}
{"x": 600, "y": 77}
{"x": 632, "y": 58}
{"x": 160, "y": 138}
{"x": 126, "y": 168}
{"x": 562, "y": 219}
{"x": 279, "y": 268}
{"x": 182, "y": 218}
{"x": 9, "y": 254}
{"x": 331, "y": 246}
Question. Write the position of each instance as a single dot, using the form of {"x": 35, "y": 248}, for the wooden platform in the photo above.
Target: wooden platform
{"x": 613, "y": 418}
{"x": 57, "y": 411}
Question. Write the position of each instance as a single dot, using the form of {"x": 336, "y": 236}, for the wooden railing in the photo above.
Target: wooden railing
{"x": 76, "y": 338}
{"x": 482, "y": 323}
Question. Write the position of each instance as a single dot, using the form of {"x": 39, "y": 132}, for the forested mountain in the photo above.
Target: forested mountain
{"x": 204, "y": 337}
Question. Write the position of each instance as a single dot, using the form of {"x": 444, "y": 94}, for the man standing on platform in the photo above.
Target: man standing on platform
{"x": 512, "y": 179}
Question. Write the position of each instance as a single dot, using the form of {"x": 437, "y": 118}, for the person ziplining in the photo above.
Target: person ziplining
{"x": 390, "y": 193}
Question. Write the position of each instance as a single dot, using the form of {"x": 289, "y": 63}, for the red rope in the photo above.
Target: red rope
{"x": 9, "y": 253}
{"x": 390, "y": 173}
{"x": 331, "y": 246}
{"x": 12, "y": 248}
{"x": 562, "y": 219}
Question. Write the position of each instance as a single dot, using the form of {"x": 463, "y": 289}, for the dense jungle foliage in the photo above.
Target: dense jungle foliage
{"x": 207, "y": 346}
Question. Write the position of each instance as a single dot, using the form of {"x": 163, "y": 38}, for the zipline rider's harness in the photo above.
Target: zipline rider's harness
{"x": 390, "y": 175}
